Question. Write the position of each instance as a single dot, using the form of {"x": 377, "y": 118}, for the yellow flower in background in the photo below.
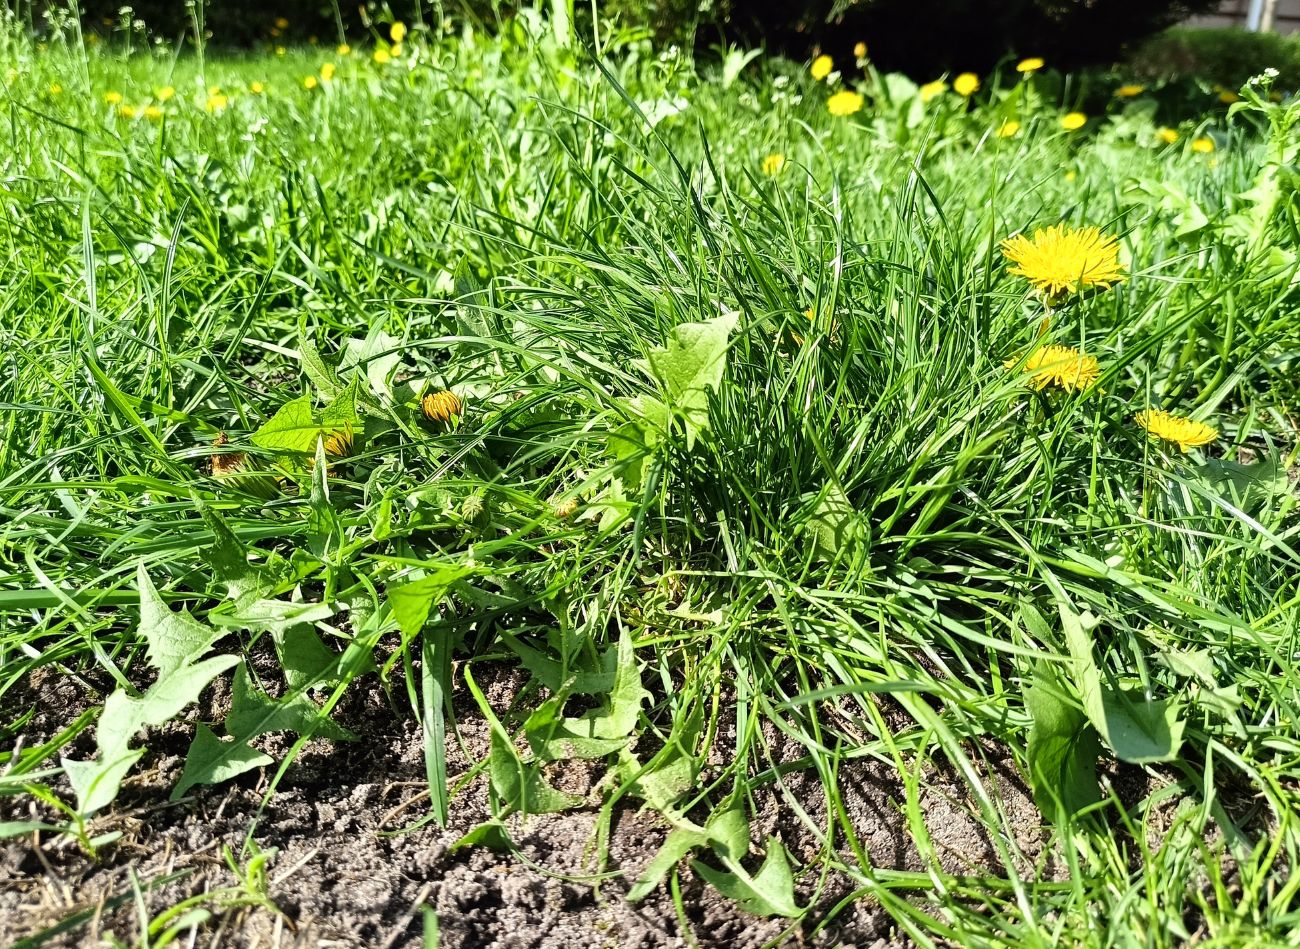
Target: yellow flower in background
{"x": 844, "y": 103}
{"x": 1008, "y": 129}
{"x": 1031, "y": 65}
{"x": 1228, "y": 97}
{"x": 1129, "y": 91}
{"x": 310, "y": 82}
{"x": 214, "y": 90}
{"x": 773, "y": 164}
{"x": 967, "y": 84}
{"x": 1168, "y": 135}
{"x": 327, "y": 72}
{"x": 860, "y": 50}
{"x": 932, "y": 89}
{"x": 1061, "y": 258}
{"x": 397, "y": 32}
{"x": 281, "y": 23}
{"x": 344, "y": 49}
{"x": 1203, "y": 145}
{"x": 280, "y": 51}
{"x": 217, "y": 102}
{"x": 1061, "y": 366}
{"x": 112, "y": 98}
{"x": 164, "y": 93}
{"x": 1176, "y": 429}
{"x": 395, "y": 50}
{"x": 126, "y": 111}
{"x": 257, "y": 88}
{"x": 55, "y": 89}
{"x": 339, "y": 443}
{"x": 153, "y": 113}
{"x": 821, "y": 67}
{"x": 441, "y": 406}
{"x": 1073, "y": 121}
{"x": 381, "y": 56}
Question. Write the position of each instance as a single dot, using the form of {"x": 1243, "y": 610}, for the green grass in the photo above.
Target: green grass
{"x": 829, "y": 525}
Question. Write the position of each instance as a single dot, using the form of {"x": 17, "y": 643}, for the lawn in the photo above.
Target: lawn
{"x": 490, "y": 489}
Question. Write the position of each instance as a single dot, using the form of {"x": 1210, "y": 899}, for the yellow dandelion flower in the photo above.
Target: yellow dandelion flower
{"x": 773, "y": 164}
{"x": 310, "y": 82}
{"x": 280, "y": 51}
{"x": 1063, "y": 259}
{"x": 441, "y": 406}
{"x": 1176, "y": 429}
{"x": 276, "y": 31}
{"x": 860, "y": 50}
{"x": 127, "y": 111}
{"x": 257, "y": 88}
{"x": 967, "y": 84}
{"x": 214, "y": 90}
{"x": 1129, "y": 90}
{"x": 844, "y": 103}
{"x": 381, "y": 56}
{"x": 281, "y": 23}
{"x": 1203, "y": 145}
{"x": 932, "y": 89}
{"x": 55, "y": 89}
{"x": 327, "y": 72}
{"x": 395, "y": 50}
{"x": 112, "y": 98}
{"x": 339, "y": 443}
{"x": 153, "y": 113}
{"x": 821, "y": 67}
{"x": 217, "y": 103}
{"x": 1168, "y": 135}
{"x": 164, "y": 93}
{"x": 1008, "y": 129}
{"x": 1073, "y": 121}
{"x": 344, "y": 49}
{"x": 397, "y": 32}
{"x": 1061, "y": 366}
{"x": 1030, "y": 65}
{"x": 1228, "y": 97}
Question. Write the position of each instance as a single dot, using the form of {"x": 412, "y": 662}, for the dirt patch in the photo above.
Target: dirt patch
{"x": 348, "y": 871}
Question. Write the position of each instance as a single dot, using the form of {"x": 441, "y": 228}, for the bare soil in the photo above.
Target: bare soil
{"x": 349, "y": 871}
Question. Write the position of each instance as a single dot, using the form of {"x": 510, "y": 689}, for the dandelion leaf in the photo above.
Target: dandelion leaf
{"x": 692, "y": 365}
{"x": 769, "y": 892}
{"x": 521, "y": 784}
{"x": 1063, "y": 748}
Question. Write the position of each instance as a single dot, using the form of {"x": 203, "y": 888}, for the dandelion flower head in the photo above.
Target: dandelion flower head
{"x": 1063, "y": 259}
{"x": 1176, "y": 429}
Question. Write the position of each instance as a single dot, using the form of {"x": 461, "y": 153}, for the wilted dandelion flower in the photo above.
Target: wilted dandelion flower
{"x": 1129, "y": 90}
{"x": 339, "y": 443}
{"x": 844, "y": 103}
{"x": 1168, "y": 135}
{"x": 1008, "y": 129}
{"x": 112, "y": 98}
{"x": 821, "y": 67}
{"x": 566, "y": 508}
{"x": 397, "y": 32}
{"x": 1203, "y": 145}
{"x": 235, "y": 467}
{"x": 1073, "y": 121}
{"x": 441, "y": 406}
{"x": 1176, "y": 429}
{"x": 967, "y": 84}
{"x": 1060, "y": 259}
{"x": 932, "y": 89}
{"x": 1061, "y": 366}
{"x": 773, "y": 164}
{"x": 860, "y": 50}
{"x": 1030, "y": 65}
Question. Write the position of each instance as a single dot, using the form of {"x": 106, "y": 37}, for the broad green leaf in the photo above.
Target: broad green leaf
{"x": 1142, "y": 730}
{"x": 228, "y": 559}
{"x": 769, "y": 892}
{"x": 412, "y": 601}
{"x": 728, "y": 829}
{"x": 307, "y": 662}
{"x": 673, "y": 771}
{"x": 321, "y": 376}
{"x": 835, "y": 528}
{"x": 491, "y": 834}
{"x": 211, "y": 760}
{"x": 274, "y": 616}
{"x": 680, "y": 842}
{"x": 692, "y": 365}
{"x": 124, "y": 716}
{"x": 293, "y": 428}
{"x": 376, "y": 357}
{"x": 96, "y": 783}
{"x": 1063, "y": 748}
{"x": 521, "y": 784}
{"x": 253, "y": 713}
{"x": 173, "y": 639}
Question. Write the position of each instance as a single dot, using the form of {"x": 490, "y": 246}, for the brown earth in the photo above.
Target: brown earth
{"x": 345, "y": 873}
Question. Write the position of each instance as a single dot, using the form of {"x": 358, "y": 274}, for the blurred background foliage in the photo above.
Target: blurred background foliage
{"x": 921, "y": 38}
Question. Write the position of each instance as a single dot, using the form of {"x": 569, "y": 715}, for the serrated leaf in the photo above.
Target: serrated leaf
{"x": 307, "y": 662}
{"x": 124, "y": 716}
{"x": 253, "y": 713}
{"x": 412, "y": 601}
{"x": 692, "y": 365}
{"x": 321, "y": 376}
{"x": 1062, "y": 750}
{"x": 228, "y": 559}
{"x": 293, "y": 428}
{"x": 521, "y": 784}
{"x": 769, "y": 892}
{"x": 211, "y": 760}
{"x": 172, "y": 639}
{"x": 274, "y": 616}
